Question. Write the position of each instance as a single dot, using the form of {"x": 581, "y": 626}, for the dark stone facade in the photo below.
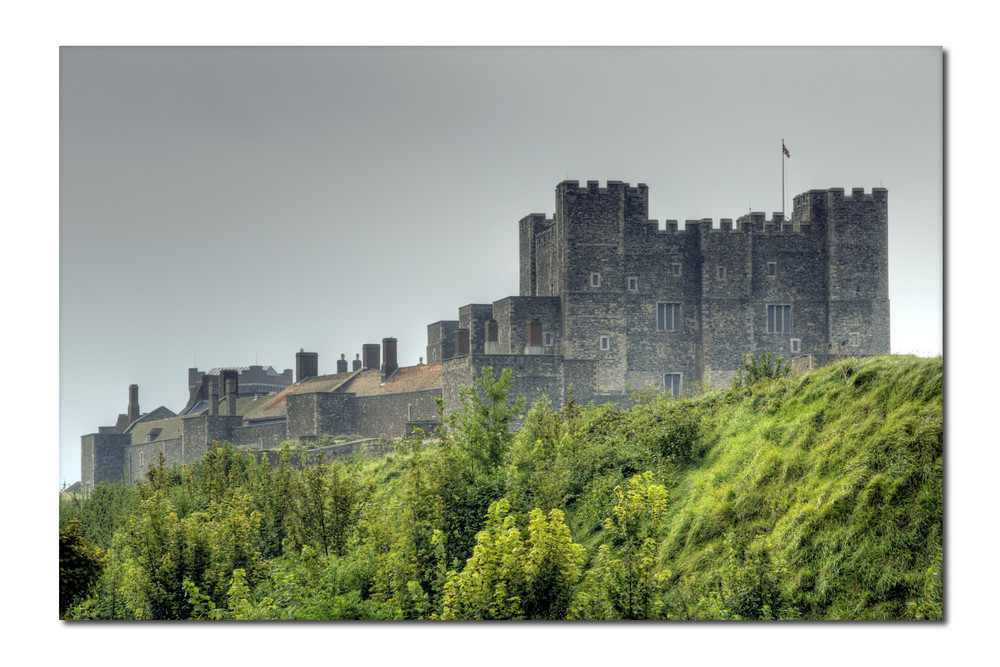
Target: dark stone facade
{"x": 613, "y": 302}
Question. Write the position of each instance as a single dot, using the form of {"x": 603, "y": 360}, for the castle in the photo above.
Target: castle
{"x": 609, "y": 302}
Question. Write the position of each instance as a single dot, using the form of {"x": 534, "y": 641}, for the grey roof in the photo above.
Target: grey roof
{"x": 269, "y": 370}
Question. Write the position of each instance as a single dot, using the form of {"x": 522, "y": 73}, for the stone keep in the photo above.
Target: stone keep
{"x": 659, "y": 306}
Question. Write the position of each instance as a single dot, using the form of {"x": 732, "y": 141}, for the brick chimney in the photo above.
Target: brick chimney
{"x": 213, "y": 395}
{"x": 306, "y": 365}
{"x": 133, "y": 402}
{"x": 231, "y": 395}
{"x": 229, "y": 381}
{"x": 389, "y": 364}
{"x": 370, "y": 356}
{"x": 342, "y": 364}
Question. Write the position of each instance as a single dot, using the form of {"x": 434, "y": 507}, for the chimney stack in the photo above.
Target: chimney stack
{"x": 306, "y": 365}
{"x": 231, "y": 395}
{"x": 133, "y": 402}
{"x": 213, "y": 395}
{"x": 341, "y": 364}
{"x": 389, "y": 364}
{"x": 356, "y": 364}
{"x": 370, "y": 355}
{"x": 229, "y": 381}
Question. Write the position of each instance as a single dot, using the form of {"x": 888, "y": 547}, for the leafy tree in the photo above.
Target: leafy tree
{"x": 537, "y": 476}
{"x": 626, "y": 565}
{"x": 759, "y": 369}
{"x": 510, "y": 577}
{"x": 327, "y": 506}
{"x": 80, "y": 566}
{"x": 483, "y": 423}
{"x": 103, "y": 512}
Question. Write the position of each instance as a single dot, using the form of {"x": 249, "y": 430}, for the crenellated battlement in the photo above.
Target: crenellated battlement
{"x": 619, "y": 188}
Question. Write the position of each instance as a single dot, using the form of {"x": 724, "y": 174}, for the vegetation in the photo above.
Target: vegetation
{"x": 816, "y": 496}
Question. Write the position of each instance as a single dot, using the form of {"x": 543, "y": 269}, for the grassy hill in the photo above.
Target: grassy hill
{"x": 816, "y": 496}
{"x": 838, "y": 475}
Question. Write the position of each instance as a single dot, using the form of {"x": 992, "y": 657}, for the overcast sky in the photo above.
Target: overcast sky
{"x": 228, "y": 206}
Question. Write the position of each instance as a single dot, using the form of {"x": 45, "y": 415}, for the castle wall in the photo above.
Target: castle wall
{"x": 386, "y": 415}
{"x": 534, "y": 375}
{"x": 102, "y": 458}
{"x": 139, "y": 457}
{"x": 266, "y": 435}
{"x": 202, "y": 431}
{"x": 512, "y": 314}
{"x": 441, "y": 341}
{"x": 473, "y": 317}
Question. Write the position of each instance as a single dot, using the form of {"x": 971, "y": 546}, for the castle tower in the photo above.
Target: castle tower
{"x": 857, "y": 235}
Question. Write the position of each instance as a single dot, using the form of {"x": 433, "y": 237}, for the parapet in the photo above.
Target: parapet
{"x": 812, "y": 206}
{"x": 641, "y": 190}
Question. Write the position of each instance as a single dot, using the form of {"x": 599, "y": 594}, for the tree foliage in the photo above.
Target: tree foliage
{"x": 795, "y": 497}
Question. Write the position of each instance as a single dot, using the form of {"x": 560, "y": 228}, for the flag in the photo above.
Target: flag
{"x": 785, "y": 150}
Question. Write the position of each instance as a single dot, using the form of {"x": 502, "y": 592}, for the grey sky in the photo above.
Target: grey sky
{"x": 226, "y": 205}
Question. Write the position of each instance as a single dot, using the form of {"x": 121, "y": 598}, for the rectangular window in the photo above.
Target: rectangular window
{"x": 672, "y": 383}
{"x": 772, "y": 269}
{"x": 605, "y": 342}
{"x": 668, "y": 317}
{"x": 720, "y": 272}
{"x": 595, "y": 279}
{"x": 855, "y": 339}
{"x": 548, "y": 339}
{"x": 796, "y": 345}
{"x": 779, "y": 319}
{"x": 633, "y": 284}
{"x": 676, "y": 270}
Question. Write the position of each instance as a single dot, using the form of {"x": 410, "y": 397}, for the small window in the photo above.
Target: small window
{"x": 854, "y": 339}
{"x": 772, "y": 269}
{"x": 548, "y": 339}
{"x": 675, "y": 269}
{"x": 672, "y": 383}
{"x": 260, "y": 441}
{"x": 595, "y": 279}
{"x": 796, "y": 345}
{"x": 633, "y": 284}
{"x": 720, "y": 272}
{"x": 149, "y": 437}
{"x": 779, "y": 319}
{"x": 605, "y": 342}
{"x": 668, "y": 317}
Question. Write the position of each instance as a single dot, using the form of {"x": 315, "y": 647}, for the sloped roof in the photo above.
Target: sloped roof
{"x": 267, "y": 370}
{"x": 244, "y": 404}
{"x": 410, "y": 378}
{"x": 272, "y": 406}
{"x": 169, "y": 429}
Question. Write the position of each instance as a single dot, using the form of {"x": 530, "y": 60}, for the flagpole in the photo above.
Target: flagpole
{"x": 782, "y": 177}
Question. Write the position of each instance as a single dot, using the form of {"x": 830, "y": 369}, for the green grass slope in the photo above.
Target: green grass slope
{"x": 836, "y": 475}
